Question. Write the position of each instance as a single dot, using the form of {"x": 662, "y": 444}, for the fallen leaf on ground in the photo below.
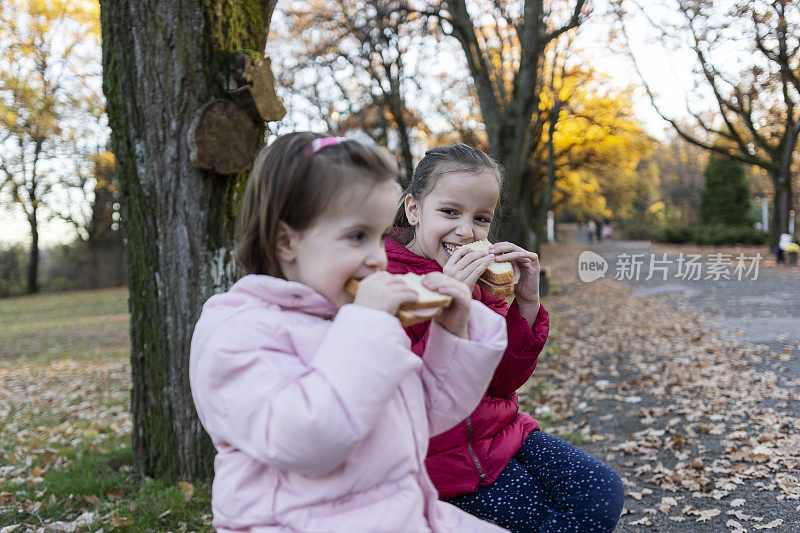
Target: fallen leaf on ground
{"x": 115, "y": 494}
{"x": 736, "y": 526}
{"x": 639, "y": 495}
{"x": 119, "y": 522}
{"x": 743, "y": 516}
{"x": 29, "y": 506}
{"x": 707, "y": 514}
{"x": 187, "y": 489}
{"x": 775, "y": 523}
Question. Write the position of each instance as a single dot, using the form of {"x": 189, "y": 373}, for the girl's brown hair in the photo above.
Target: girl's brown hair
{"x": 294, "y": 182}
{"x": 436, "y": 163}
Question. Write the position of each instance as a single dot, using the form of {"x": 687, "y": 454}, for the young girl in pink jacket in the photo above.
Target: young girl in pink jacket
{"x": 319, "y": 410}
{"x": 496, "y": 463}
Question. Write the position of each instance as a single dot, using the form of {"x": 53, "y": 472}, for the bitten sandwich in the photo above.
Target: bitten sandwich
{"x": 498, "y": 278}
{"x": 429, "y": 304}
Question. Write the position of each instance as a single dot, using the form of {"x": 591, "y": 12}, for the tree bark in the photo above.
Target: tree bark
{"x": 781, "y": 206}
{"x": 398, "y": 108}
{"x": 512, "y": 120}
{"x": 33, "y": 263}
{"x": 161, "y": 62}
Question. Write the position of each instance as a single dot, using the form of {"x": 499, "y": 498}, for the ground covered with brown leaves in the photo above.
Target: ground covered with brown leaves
{"x": 703, "y": 432}
{"x": 65, "y": 425}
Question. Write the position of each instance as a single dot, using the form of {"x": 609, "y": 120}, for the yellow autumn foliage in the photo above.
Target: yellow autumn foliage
{"x": 599, "y": 145}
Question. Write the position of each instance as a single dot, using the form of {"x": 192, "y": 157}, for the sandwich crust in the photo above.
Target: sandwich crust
{"x": 430, "y": 303}
{"x": 503, "y": 290}
{"x": 410, "y": 318}
{"x": 496, "y": 273}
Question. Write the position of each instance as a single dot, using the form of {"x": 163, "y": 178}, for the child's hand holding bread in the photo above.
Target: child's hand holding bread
{"x": 526, "y": 293}
{"x": 455, "y": 317}
{"x": 382, "y": 291}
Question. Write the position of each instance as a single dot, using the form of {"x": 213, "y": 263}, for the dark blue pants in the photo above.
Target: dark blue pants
{"x": 550, "y": 486}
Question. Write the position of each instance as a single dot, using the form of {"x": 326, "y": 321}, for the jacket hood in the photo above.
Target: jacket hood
{"x": 288, "y": 295}
{"x": 399, "y": 253}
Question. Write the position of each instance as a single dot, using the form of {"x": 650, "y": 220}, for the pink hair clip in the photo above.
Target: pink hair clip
{"x": 320, "y": 143}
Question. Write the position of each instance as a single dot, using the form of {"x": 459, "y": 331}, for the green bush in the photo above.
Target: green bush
{"x": 636, "y": 232}
{"x": 720, "y": 234}
{"x": 714, "y": 234}
{"x": 675, "y": 234}
{"x": 725, "y": 199}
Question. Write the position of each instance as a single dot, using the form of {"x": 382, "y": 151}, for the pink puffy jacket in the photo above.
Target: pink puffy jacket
{"x": 321, "y": 419}
{"x": 476, "y": 451}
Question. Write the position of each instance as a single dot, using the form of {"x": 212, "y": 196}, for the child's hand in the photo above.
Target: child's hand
{"x": 455, "y": 318}
{"x": 385, "y": 292}
{"x": 527, "y": 291}
{"x": 467, "y": 265}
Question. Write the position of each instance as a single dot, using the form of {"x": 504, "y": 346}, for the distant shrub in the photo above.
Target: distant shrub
{"x": 637, "y": 232}
{"x": 714, "y": 234}
{"x": 725, "y": 200}
{"x": 720, "y": 234}
{"x": 675, "y": 235}
{"x": 13, "y": 270}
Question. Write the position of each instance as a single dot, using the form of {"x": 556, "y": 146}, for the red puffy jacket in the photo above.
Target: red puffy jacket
{"x": 473, "y": 453}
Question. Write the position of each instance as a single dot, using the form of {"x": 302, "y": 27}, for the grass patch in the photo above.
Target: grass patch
{"x": 90, "y": 473}
{"x": 105, "y": 485}
{"x": 158, "y": 507}
{"x": 537, "y": 397}
{"x": 65, "y": 450}
{"x": 577, "y": 439}
{"x": 72, "y": 325}
{"x": 553, "y": 348}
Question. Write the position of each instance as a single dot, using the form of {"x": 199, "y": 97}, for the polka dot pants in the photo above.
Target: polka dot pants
{"x": 550, "y": 486}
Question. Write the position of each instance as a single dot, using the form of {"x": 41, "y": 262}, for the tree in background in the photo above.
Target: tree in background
{"x": 599, "y": 148}
{"x": 757, "y": 103}
{"x": 48, "y": 106}
{"x": 171, "y": 70}
{"x": 585, "y": 129}
{"x": 341, "y": 70}
{"x": 504, "y": 46}
{"x": 680, "y": 166}
{"x": 725, "y": 198}
{"x": 101, "y": 233}
{"x": 12, "y": 269}
{"x": 349, "y": 61}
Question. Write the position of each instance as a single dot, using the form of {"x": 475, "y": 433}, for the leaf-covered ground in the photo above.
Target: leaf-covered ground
{"x": 703, "y": 431}
{"x": 65, "y": 457}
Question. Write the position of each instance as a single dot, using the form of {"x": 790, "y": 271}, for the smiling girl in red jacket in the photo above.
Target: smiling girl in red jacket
{"x": 496, "y": 464}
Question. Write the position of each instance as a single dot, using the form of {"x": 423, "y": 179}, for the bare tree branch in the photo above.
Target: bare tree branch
{"x": 574, "y": 22}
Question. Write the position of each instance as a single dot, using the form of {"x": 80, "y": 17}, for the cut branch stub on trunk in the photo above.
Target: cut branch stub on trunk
{"x": 222, "y": 138}
{"x": 252, "y": 86}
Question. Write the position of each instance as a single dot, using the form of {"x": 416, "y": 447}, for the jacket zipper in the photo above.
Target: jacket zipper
{"x": 471, "y": 451}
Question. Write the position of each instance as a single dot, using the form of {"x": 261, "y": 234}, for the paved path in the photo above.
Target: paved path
{"x": 762, "y": 307}
{"x": 759, "y": 309}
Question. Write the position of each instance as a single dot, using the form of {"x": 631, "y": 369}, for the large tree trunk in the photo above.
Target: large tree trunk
{"x": 161, "y": 62}
{"x": 781, "y": 206}
{"x": 405, "y": 143}
{"x": 92, "y": 247}
{"x": 516, "y": 219}
{"x": 33, "y": 261}
{"x": 516, "y": 227}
